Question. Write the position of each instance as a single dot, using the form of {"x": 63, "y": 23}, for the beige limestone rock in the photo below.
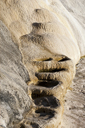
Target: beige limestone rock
{"x": 50, "y": 41}
{"x": 19, "y": 19}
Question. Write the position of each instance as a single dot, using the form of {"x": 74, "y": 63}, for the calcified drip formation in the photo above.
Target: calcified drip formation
{"x": 36, "y": 75}
{"x": 54, "y": 76}
{"x": 51, "y": 77}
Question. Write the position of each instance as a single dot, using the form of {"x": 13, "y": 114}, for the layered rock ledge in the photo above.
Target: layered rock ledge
{"x": 41, "y": 41}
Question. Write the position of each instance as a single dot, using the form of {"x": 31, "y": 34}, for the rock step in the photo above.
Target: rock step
{"x": 48, "y": 84}
{"x": 47, "y": 94}
{"x": 39, "y": 117}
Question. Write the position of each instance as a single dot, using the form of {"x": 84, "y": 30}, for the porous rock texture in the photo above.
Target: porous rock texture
{"x": 41, "y": 41}
{"x": 74, "y": 112}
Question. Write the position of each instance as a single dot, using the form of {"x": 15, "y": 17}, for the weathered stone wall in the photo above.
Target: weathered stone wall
{"x": 13, "y": 76}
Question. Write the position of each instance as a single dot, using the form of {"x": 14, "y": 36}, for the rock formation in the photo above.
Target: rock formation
{"x": 13, "y": 76}
{"x": 41, "y": 41}
{"x": 74, "y": 108}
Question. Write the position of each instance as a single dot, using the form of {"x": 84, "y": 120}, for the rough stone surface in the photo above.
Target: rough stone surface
{"x": 54, "y": 76}
{"x": 74, "y": 114}
{"x": 59, "y": 28}
{"x": 41, "y": 41}
{"x": 14, "y": 100}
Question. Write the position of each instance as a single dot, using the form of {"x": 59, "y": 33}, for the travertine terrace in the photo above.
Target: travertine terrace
{"x": 41, "y": 41}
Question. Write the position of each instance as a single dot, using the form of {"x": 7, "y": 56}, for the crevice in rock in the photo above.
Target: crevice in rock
{"x": 34, "y": 125}
{"x": 22, "y": 126}
{"x": 37, "y": 94}
{"x": 53, "y": 70}
{"x": 48, "y": 101}
{"x": 47, "y": 84}
{"x": 64, "y": 59}
{"x": 45, "y": 112}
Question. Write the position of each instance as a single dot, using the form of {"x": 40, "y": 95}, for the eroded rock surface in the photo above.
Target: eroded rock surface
{"x": 54, "y": 75}
{"x": 41, "y": 42}
{"x": 74, "y": 114}
{"x": 14, "y": 100}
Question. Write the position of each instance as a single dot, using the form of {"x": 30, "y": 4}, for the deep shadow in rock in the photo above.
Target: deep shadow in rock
{"x": 47, "y": 84}
{"x": 49, "y": 101}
